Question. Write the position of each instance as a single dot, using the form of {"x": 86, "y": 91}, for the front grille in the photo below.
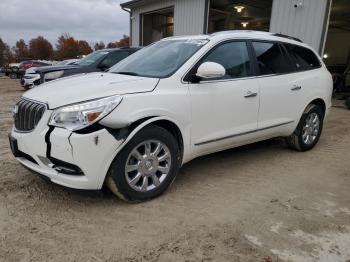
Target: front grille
{"x": 27, "y": 114}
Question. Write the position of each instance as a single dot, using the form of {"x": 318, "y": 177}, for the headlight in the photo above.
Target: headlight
{"x": 53, "y": 75}
{"x": 81, "y": 115}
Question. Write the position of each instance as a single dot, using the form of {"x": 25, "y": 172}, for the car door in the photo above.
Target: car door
{"x": 224, "y": 110}
{"x": 280, "y": 88}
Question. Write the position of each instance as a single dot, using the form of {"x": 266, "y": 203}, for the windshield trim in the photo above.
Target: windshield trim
{"x": 180, "y": 66}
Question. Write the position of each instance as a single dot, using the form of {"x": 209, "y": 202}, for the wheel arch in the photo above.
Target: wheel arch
{"x": 164, "y": 122}
{"x": 319, "y": 102}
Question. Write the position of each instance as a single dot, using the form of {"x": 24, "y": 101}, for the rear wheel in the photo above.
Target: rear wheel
{"x": 13, "y": 75}
{"x": 309, "y": 129}
{"x": 146, "y": 166}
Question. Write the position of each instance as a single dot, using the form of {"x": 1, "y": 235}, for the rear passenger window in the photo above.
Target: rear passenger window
{"x": 233, "y": 56}
{"x": 304, "y": 58}
{"x": 270, "y": 59}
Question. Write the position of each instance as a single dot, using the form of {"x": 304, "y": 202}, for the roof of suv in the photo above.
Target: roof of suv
{"x": 244, "y": 34}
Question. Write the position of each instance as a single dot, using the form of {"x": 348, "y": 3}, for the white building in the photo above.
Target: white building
{"x": 323, "y": 24}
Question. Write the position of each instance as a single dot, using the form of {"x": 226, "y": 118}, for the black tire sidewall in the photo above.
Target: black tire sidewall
{"x": 117, "y": 170}
{"x": 299, "y": 130}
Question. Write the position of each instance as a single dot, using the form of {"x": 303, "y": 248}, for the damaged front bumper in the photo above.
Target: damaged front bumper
{"x": 67, "y": 158}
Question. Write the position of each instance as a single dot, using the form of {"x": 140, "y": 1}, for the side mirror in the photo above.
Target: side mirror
{"x": 209, "y": 70}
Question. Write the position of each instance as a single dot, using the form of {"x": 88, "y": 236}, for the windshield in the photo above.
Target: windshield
{"x": 92, "y": 58}
{"x": 160, "y": 59}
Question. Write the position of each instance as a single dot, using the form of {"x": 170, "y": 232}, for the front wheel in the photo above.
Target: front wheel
{"x": 309, "y": 129}
{"x": 146, "y": 166}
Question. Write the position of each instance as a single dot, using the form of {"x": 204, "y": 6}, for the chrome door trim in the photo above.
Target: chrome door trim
{"x": 241, "y": 134}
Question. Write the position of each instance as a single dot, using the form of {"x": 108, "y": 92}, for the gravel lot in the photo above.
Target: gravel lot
{"x": 261, "y": 202}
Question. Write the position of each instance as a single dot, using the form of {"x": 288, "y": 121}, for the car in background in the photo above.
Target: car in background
{"x": 12, "y": 70}
{"x": 32, "y": 63}
{"x": 29, "y": 64}
{"x": 30, "y": 78}
{"x": 14, "y": 66}
{"x": 98, "y": 61}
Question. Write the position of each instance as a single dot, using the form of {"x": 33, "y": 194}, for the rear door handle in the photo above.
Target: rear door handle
{"x": 295, "y": 88}
{"x": 250, "y": 94}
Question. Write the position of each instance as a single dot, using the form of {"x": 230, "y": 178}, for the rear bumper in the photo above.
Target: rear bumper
{"x": 53, "y": 152}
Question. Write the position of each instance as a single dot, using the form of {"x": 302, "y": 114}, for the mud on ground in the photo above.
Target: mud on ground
{"x": 261, "y": 202}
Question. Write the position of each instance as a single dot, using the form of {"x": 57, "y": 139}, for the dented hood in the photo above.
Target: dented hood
{"x": 85, "y": 87}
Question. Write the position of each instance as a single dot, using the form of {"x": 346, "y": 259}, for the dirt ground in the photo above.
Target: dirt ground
{"x": 261, "y": 202}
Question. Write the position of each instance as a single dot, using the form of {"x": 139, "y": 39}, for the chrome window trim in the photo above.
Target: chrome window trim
{"x": 244, "y": 78}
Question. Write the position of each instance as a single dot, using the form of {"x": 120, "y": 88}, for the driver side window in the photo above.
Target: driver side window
{"x": 234, "y": 57}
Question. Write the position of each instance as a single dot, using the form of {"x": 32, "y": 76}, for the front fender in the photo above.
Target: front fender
{"x": 137, "y": 129}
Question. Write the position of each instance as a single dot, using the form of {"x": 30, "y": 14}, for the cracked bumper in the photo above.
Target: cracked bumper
{"x": 92, "y": 153}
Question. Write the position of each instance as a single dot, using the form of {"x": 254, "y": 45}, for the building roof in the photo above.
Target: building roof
{"x": 133, "y": 3}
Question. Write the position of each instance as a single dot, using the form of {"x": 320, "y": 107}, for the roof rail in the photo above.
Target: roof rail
{"x": 287, "y": 36}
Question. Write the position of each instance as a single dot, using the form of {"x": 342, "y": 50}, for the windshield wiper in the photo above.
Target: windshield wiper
{"x": 127, "y": 73}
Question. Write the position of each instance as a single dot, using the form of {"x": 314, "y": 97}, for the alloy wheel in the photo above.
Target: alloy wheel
{"x": 311, "y": 128}
{"x": 147, "y": 165}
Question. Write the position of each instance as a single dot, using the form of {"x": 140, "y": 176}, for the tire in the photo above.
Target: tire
{"x": 13, "y": 75}
{"x": 119, "y": 180}
{"x": 299, "y": 142}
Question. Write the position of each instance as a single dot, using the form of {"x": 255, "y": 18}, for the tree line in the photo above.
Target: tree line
{"x": 67, "y": 47}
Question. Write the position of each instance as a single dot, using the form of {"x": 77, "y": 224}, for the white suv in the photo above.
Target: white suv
{"x": 133, "y": 127}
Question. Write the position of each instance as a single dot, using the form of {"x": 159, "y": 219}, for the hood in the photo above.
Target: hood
{"x": 85, "y": 87}
{"x": 45, "y": 69}
{"x": 31, "y": 70}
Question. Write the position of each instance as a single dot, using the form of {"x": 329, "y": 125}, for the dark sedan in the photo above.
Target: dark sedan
{"x": 100, "y": 60}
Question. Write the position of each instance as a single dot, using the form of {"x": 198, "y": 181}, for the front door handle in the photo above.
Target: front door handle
{"x": 250, "y": 94}
{"x": 295, "y": 88}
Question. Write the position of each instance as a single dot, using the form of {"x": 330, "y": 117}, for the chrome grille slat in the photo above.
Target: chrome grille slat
{"x": 22, "y": 113}
{"x": 28, "y": 115}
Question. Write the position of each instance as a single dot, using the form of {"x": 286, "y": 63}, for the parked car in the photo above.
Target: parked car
{"x": 30, "y": 64}
{"x": 97, "y": 61}
{"x": 12, "y": 70}
{"x": 134, "y": 126}
{"x": 30, "y": 78}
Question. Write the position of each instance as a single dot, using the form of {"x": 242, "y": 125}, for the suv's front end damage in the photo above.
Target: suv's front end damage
{"x": 72, "y": 159}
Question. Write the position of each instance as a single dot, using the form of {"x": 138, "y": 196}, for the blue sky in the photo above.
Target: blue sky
{"x": 91, "y": 20}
